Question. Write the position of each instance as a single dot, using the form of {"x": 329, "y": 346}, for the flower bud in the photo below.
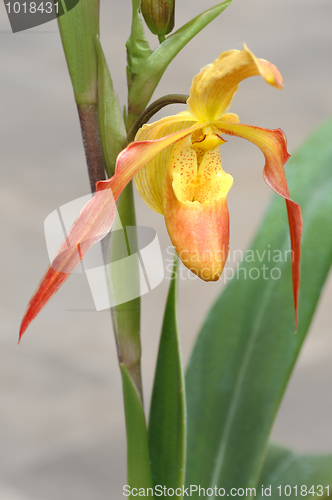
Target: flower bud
{"x": 159, "y": 15}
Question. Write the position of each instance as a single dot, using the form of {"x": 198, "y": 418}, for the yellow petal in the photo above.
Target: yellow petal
{"x": 213, "y": 89}
{"x": 149, "y": 180}
{"x": 231, "y": 118}
{"x": 195, "y": 208}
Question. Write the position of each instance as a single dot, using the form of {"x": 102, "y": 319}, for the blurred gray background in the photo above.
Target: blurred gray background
{"x": 61, "y": 419}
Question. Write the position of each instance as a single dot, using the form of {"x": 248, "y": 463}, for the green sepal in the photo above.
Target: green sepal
{"x": 138, "y": 459}
{"x": 167, "y": 425}
{"x": 247, "y": 347}
{"x": 112, "y": 129}
{"x": 290, "y": 475}
{"x": 153, "y": 67}
{"x": 78, "y": 29}
{"x": 138, "y": 48}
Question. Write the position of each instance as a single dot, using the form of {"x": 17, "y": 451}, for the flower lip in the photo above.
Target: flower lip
{"x": 196, "y": 175}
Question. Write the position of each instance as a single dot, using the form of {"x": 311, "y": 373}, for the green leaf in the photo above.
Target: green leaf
{"x": 247, "y": 348}
{"x": 167, "y": 415}
{"x": 152, "y": 68}
{"x": 138, "y": 459}
{"x": 78, "y": 29}
{"x": 112, "y": 129}
{"x": 290, "y": 475}
{"x": 138, "y": 48}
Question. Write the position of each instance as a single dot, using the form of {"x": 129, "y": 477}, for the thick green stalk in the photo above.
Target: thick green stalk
{"x": 104, "y": 135}
{"x": 91, "y": 140}
{"x": 126, "y": 316}
{"x": 122, "y": 278}
{"x": 79, "y": 29}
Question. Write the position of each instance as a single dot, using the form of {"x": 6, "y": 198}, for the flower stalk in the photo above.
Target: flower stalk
{"x": 126, "y": 317}
{"x": 151, "y": 110}
{"x": 90, "y": 134}
{"x": 104, "y": 136}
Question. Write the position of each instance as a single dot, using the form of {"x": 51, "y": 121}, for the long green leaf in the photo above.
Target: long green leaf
{"x": 153, "y": 67}
{"x": 78, "y": 29}
{"x": 247, "y": 348}
{"x": 112, "y": 129}
{"x": 138, "y": 459}
{"x": 167, "y": 415}
{"x": 286, "y": 474}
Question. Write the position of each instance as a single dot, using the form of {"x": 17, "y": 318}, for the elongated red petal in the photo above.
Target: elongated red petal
{"x": 93, "y": 223}
{"x": 273, "y": 145}
{"x": 95, "y": 219}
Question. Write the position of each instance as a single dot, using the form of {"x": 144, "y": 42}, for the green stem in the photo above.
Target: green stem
{"x": 126, "y": 316}
{"x": 151, "y": 110}
{"x": 91, "y": 140}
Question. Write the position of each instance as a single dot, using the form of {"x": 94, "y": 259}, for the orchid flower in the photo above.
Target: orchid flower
{"x": 178, "y": 173}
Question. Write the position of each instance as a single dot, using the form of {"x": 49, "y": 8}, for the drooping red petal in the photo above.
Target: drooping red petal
{"x": 273, "y": 145}
{"x": 95, "y": 219}
{"x": 93, "y": 223}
